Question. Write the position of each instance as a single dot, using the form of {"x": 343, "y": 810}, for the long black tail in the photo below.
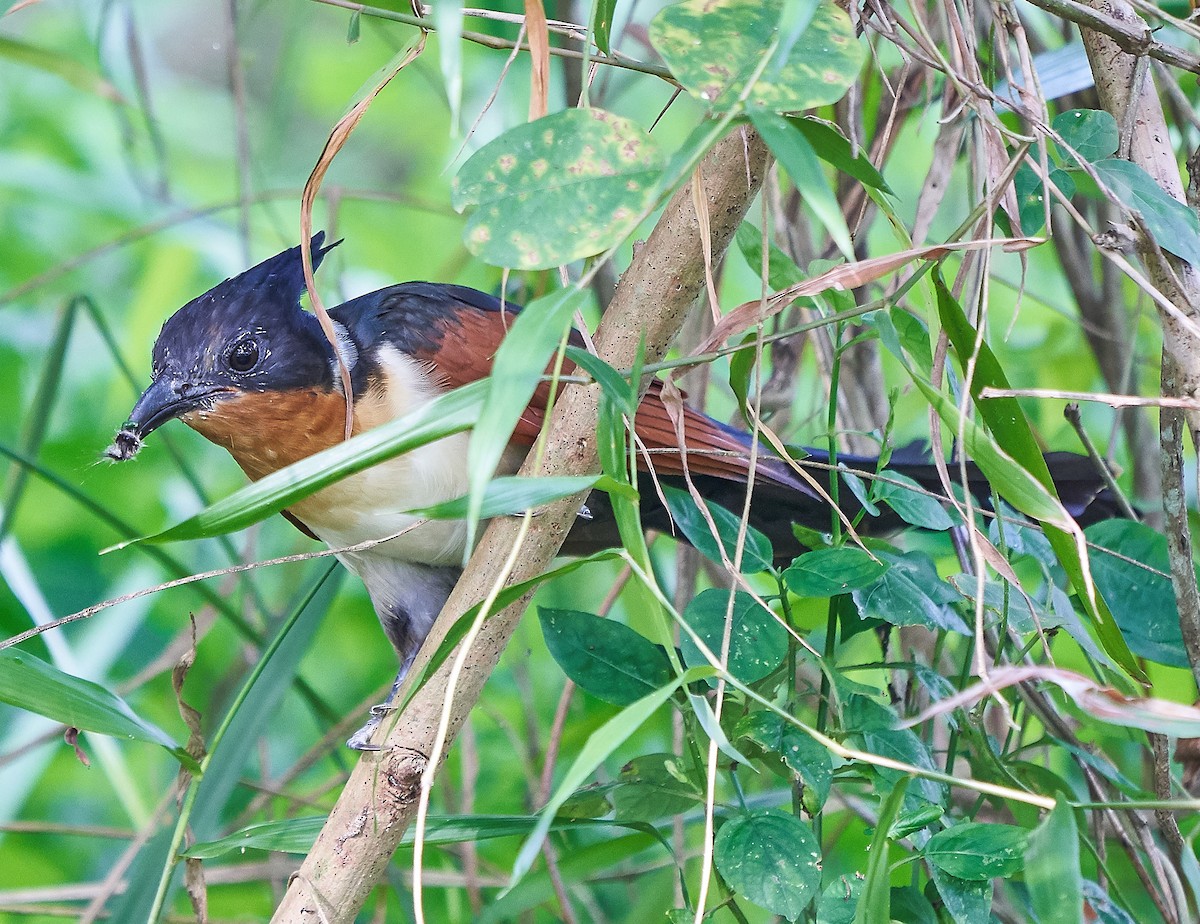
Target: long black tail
{"x": 776, "y": 506}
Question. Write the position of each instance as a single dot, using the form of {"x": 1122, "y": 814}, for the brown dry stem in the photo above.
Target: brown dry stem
{"x": 381, "y": 797}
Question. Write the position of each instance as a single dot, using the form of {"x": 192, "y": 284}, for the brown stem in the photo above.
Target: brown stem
{"x": 381, "y": 797}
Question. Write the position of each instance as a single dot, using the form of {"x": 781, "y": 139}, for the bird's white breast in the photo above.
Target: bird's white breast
{"x": 370, "y": 505}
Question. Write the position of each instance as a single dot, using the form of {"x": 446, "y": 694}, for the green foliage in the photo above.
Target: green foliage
{"x": 847, "y": 762}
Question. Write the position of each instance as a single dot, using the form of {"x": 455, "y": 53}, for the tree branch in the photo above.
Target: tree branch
{"x": 381, "y": 797}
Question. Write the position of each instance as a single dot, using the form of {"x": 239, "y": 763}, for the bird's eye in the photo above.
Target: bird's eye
{"x": 243, "y": 356}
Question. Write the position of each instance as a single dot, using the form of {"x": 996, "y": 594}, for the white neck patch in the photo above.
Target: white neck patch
{"x": 347, "y": 348}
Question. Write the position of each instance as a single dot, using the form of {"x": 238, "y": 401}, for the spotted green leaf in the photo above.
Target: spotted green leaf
{"x": 566, "y": 186}
{"x": 829, "y": 572}
{"x": 715, "y": 48}
{"x": 757, "y": 640}
{"x": 772, "y": 859}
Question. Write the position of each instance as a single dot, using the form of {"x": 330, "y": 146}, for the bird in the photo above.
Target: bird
{"x": 247, "y": 367}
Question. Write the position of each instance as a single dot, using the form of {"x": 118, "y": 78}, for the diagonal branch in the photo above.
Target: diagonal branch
{"x": 653, "y": 298}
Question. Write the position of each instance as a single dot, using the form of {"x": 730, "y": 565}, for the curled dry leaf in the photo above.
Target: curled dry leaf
{"x": 1100, "y": 702}
{"x": 539, "y": 53}
{"x": 845, "y": 276}
{"x": 337, "y": 139}
{"x": 71, "y": 736}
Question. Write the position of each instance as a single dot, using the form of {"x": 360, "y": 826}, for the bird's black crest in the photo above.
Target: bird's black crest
{"x": 281, "y": 277}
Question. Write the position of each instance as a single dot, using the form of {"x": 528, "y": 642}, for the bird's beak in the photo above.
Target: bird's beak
{"x": 165, "y": 400}
{"x": 161, "y": 402}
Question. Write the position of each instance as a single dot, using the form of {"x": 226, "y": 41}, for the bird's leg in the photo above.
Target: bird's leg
{"x": 361, "y": 739}
{"x": 407, "y": 598}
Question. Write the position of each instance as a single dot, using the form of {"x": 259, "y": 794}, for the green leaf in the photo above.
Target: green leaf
{"x": 1027, "y": 485}
{"x": 1092, "y": 133}
{"x": 602, "y": 742}
{"x": 1175, "y": 226}
{"x": 567, "y": 186}
{"x": 793, "y": 151}
{"x": 757, "y": 639}
{"x": 602, "y": 16}
{"x": 977, "y": 851}
{"x": 771, "y": 858}
{"x": 1052, "y": 869}
{"x": 800, "y": 752}
{"x": 714, "y": 49}
{"x": 912, "y": 502}
{"x": 838, "y": 902}
{"x": 31, "y": 684}
{"x": 654, "y": 786}
{"x": 605, "y": 658}
{"x": 875, "y": 905}
{"x": 510, "y": 495}
{"x": 968, "y": 901}
{"x": 61, "y": 65}
{"x": 297, "y": 835}
{"x": 1134, "y": 579}
{"x": 757, "y": 554}
{"x": 1031, "y": 195}
{"x": 829, "y": 572}
{"x": 910, "y": 593}
{"x": 781, "y": 270}
{"x": 835, "y": 149}
{"x": 444, "y": 415}
{"x": 615, "y": 385}
{"x": 516, "y": 371}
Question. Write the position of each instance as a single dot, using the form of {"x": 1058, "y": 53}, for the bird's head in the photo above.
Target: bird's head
{"x": 248, "y": 334}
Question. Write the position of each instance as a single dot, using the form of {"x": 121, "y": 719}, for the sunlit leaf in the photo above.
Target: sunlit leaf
{"x": 511, "y": 495}
{"x": 567, "y": 186}
{"x": 446, "y": 414}
{"x": 714, "y": 48}
{"x": 516, "y": 371}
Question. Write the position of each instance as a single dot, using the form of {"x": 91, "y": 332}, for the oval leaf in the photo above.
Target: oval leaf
{"x": 566, "y": 186}
{"x": 910, "y": 593}
{"x": 757, "y": 640}
{"x": 653, "y": 786}
{"x": 829, "y": 572}
{"x": 714, "y": 49}
{"x": 772, "y": 859}
{"x": 757, "y": 553}
{"x": 977, "y": 851}
{"x": 1133, "y": 579}
{"x": 803, "y": 755}
{"x": 605, "y": 658}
